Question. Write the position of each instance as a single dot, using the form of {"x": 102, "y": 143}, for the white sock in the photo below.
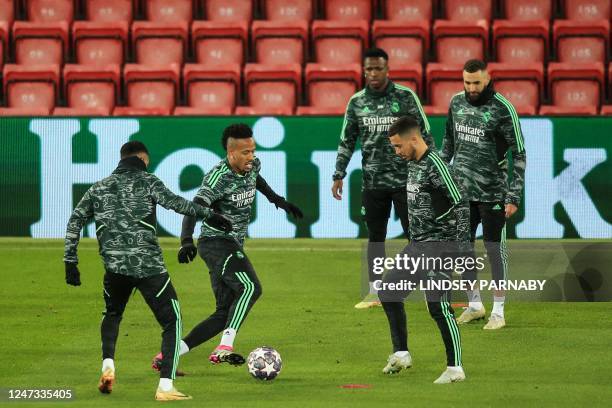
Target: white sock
{"x": 457, "y": 369}
{"x": 498, "y": 305}
{"x": 165, "y": 384}
{"x": 108, "y": 363}
{"x": 184, "y": 348}
{"x": 373, "y": 291}
{"x": 475, "y": 302}
{"x": 401, "y": 353}
{"x": 228, "y": 337}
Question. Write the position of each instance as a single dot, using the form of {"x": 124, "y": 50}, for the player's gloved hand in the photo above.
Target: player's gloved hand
{"x": 219, "y": 222}
{"x": 187, "y": 252}
{"x": 289, "y": 208}
{"x": 73, "y": 276}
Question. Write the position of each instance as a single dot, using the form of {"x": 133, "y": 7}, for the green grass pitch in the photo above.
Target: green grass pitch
{"x": 550, "y": 354}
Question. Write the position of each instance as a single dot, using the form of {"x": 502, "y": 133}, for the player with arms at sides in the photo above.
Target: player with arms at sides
{"x": 123, "y": 207}
{"x": 439, "y": 226}
{"x": 369, "y": 114}
{"x": 482, "y": 129}
{"x": 229, "y": 188}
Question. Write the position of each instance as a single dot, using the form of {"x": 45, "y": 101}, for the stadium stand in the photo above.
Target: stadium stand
{"x": 219, "y": 57}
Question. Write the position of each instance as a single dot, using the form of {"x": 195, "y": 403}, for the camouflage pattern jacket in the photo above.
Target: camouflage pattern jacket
{"x": 436, "y": 210}
{"x": 123, "y": 207}
{"x": 230, "y": 194}
{"x": 369, "y": 114}
{"x": 478, "y": 138}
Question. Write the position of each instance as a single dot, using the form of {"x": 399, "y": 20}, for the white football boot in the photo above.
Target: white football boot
{"x": 495, "y": 322}
{"x": 451, "y": 375}
{"x": 396, "y": 364}
{"x": 470, "y": 314}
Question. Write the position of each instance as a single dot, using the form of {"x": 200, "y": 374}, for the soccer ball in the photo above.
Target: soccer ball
{"x": 264, "y": 363}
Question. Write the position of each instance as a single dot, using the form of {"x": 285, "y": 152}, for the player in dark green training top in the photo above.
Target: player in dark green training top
{"x": 229, "y": 188}
{"x": 482, "y": 130}
{"x": 369, "y": 114}
{"x": 439, "y": 223}
{"x": 123, "y": 207}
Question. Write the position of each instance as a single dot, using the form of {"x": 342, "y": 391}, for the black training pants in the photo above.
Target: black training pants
{"x": 376, "y": 210}
{"x": 161, "y": 297}
{"x": 234, "y": 283}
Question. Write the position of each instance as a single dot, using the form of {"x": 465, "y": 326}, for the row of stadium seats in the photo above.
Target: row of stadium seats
{"x": 278, "y": 90}
{"x": 326, "y": 42}
{"x": 346, "y": 10}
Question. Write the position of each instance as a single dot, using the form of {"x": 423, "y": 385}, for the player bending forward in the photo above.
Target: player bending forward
{"x": 123, "y": 207}
{"x": 230, "y": 189}
{"x": 439, "y": 223}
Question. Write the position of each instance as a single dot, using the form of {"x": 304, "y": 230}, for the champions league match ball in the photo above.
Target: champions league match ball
{"x": 264, "y": 363}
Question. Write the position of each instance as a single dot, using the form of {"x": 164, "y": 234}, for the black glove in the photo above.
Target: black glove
{"x": 187, "y": 252}
{"x": 219, "y": 222}
{"x": 73, "y": 276}
{"x": 289, "y": 208}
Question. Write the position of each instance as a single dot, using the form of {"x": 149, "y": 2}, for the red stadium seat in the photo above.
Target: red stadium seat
{"x": 270, "y": 87}
{"x": 169, "y": 11}
{"x": 527, "y": 10}
{"x": 31, "y": 87}
{"x": 7, "y": 11}
{"x": 405, "y": 41}
{"x": 408, "y": 10}
{"x": 4, "y": 41}
{"x": 24, "y": 112}
{"x": 159, "y": 44}
{"x": 264, "y": 111}
{"x": 551, "y": 110}
{"x": 288, "y": 10}
{"x": 130, "y": 111}
{"x": 319, "y": 111}
{"x": 577, "y": 41}
{"x": 330, "y": 87}
{"x": 228, "y": 10}
{"x": 576, "y": 85}
{"x": 587, "y": 10}
{"x": 348, "y": 10}
{"x": 212, "y": 88}
{"x": 85, "y": 112}
{"x": 280, "y": 42}
{"x": 40, "y": 43}
{"x": 522, "y": 85}
{"x": 150, "y": 90}
{"x": 89, "y": 87}
{"x": 410, "y": 75}
{"x": 202, "y": 111}
{"x": 468, "y": 11}
{"x": 109, "y": 10}
{"x": 339, "y": 42}
{"x": 219, "y": 42}
{"x": 520, "y": 41}
{"x": 100, "y": 43}
{"x": 443, "y": 81}
{"x": 50, "y": 11}
{"x": 606, "y": 110}
{"x": 457, "y": 42}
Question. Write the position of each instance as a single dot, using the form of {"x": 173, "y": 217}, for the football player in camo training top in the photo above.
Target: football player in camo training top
{"x": 369, "y": 114}
{"x": 123, "y": 207}
{"x": 439, "y": 227}
{"x": 229, "y": 188}
{"x": 482, "y": 129}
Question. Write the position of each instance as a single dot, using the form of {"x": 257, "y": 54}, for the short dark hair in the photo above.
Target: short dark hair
{"x": 236, "y": 131}
{"x": 375, "y": 53}
{"x": 132, "y": 148}
{"x": 474, "y": 65}
{"x": 403, "y": 125}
